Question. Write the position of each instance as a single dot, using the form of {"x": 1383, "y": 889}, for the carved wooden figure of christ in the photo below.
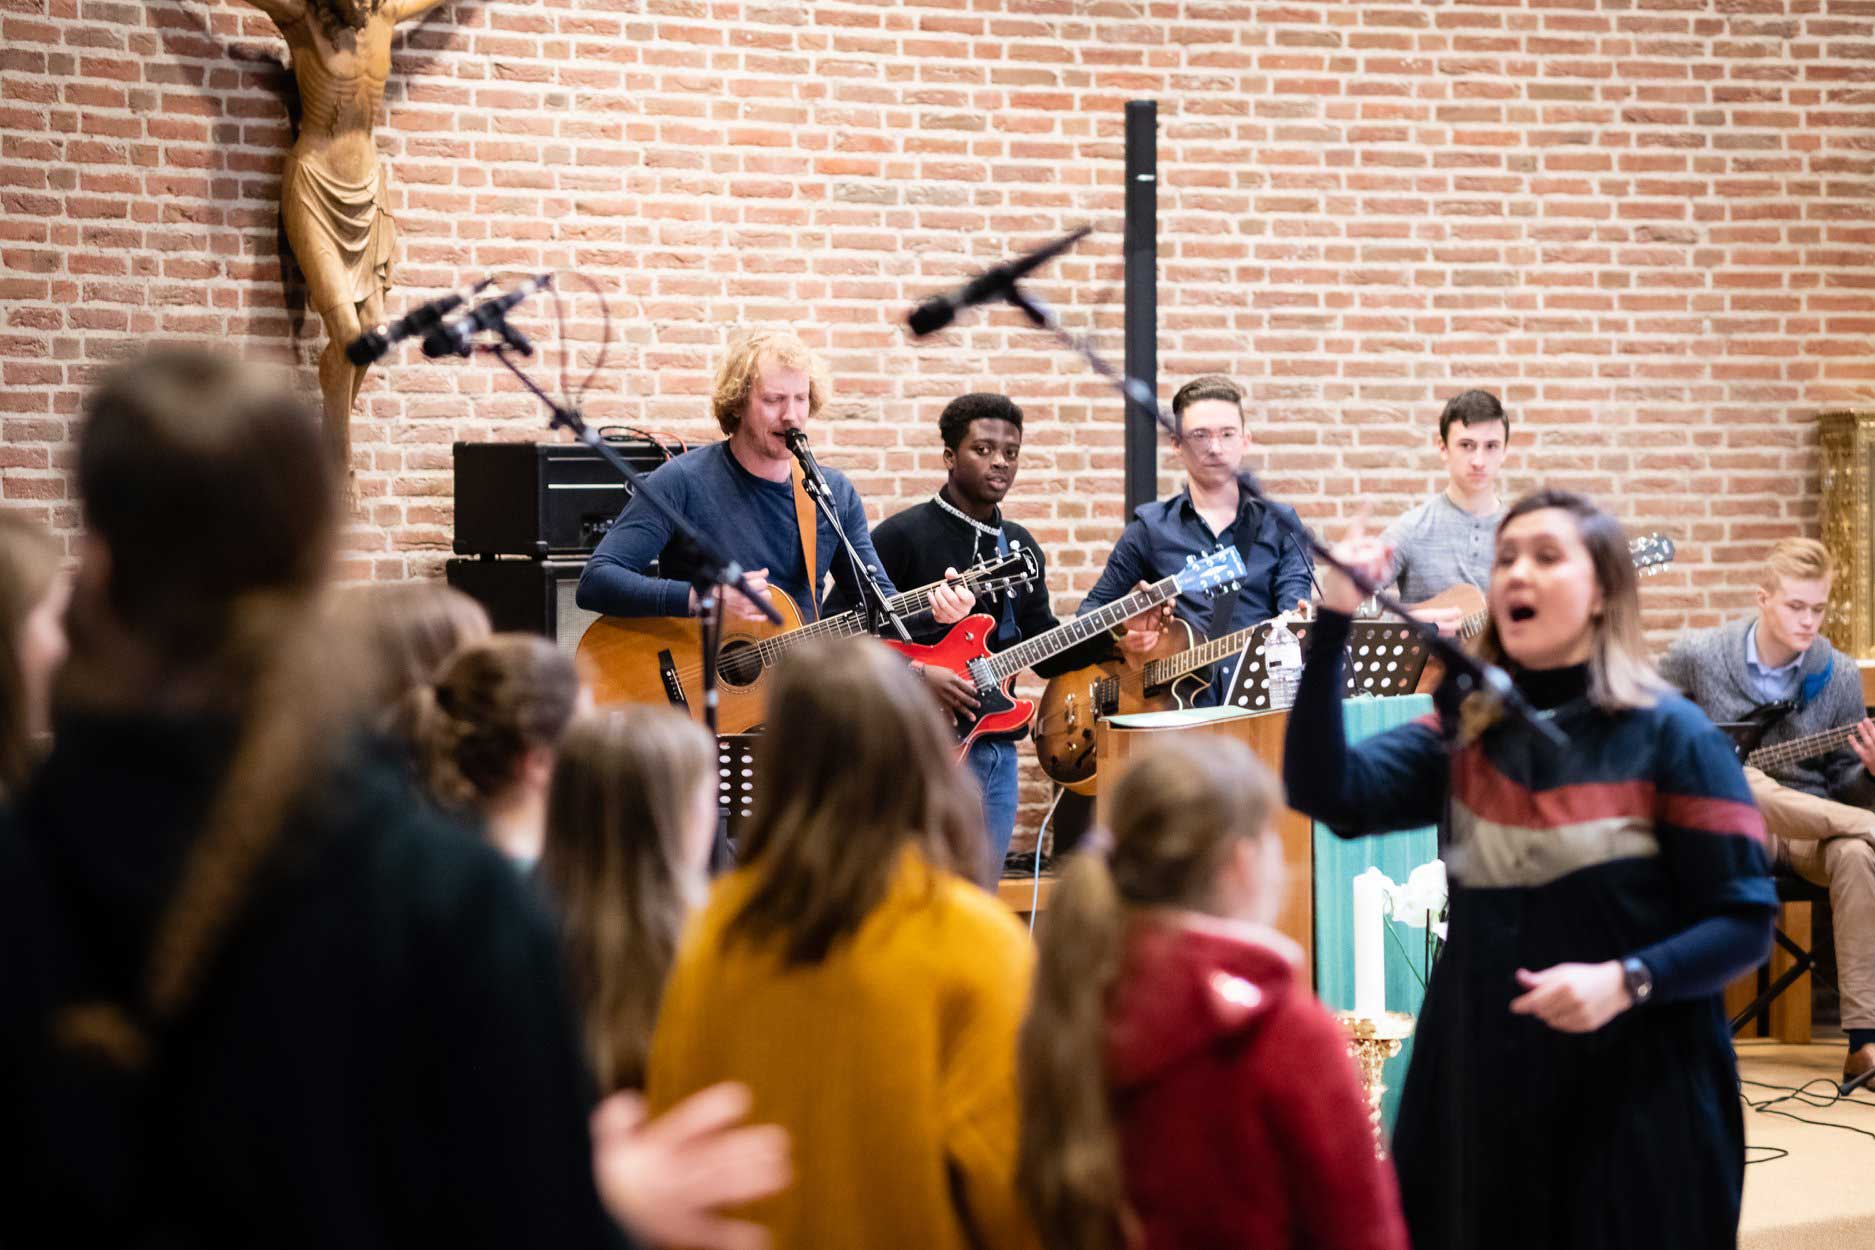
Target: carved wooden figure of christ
{"x": 332, "y": 198}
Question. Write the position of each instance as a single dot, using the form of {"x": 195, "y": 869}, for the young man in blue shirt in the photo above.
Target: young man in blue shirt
{"x": 1210, "y": 512}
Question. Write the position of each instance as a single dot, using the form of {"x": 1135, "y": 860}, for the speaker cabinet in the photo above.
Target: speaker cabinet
{"x": 530, "y": 596}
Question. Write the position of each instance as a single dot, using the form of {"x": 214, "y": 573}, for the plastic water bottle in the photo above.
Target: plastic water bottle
{"x": 1282, "y": 661}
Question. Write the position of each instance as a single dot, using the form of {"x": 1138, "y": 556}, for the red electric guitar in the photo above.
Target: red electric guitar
{"x": 965, "y": 650}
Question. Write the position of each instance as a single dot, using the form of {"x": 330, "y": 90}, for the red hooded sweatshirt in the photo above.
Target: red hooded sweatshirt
{"x": 1240, "y": 1116}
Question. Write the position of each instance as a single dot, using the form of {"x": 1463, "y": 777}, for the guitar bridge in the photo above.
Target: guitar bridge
{"x": 673, "y": 683}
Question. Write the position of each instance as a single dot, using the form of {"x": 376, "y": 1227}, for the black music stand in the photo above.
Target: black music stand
{"x": 735, "y": 765}
{"x": 1384, "y": 657}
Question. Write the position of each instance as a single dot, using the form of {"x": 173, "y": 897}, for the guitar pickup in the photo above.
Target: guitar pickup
{"x": 673, "y": 683}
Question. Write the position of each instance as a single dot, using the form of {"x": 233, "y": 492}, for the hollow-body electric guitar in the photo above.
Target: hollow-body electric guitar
{"x": 656, "y": 659}
{"x": 965, "y": 650}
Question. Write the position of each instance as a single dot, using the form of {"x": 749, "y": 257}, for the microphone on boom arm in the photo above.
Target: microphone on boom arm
{"x": 993, "y": 283}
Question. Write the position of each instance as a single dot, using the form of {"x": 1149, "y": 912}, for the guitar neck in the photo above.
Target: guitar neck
{"x": 1796, "y": 750}
{"x": 1006, "y": 664}
{"x": 1471, "y": 626}
{"x": 851, "y": 624}
{"x": 1164, "y": 672}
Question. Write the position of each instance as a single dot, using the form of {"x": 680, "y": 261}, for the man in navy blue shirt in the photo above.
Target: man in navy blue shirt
{"x": 741, "y": 495}
{"x": 1210, "y": 512}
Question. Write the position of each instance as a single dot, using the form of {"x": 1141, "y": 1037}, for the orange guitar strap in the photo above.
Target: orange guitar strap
{"x": 804, "y": 517}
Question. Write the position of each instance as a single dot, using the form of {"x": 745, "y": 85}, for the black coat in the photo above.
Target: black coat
{"x": 381, "y": 1054}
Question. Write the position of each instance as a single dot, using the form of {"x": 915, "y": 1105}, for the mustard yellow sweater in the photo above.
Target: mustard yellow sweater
{"x": 891, "y": 1064}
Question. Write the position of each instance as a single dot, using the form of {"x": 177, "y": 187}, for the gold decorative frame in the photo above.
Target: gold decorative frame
{"x": 1847, "y": 443}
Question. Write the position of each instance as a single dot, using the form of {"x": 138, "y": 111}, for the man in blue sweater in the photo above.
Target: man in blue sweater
{"x": 740, "y": 494}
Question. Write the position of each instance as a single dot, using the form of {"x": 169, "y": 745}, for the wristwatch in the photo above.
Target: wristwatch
{"x": 1638, "y": 979}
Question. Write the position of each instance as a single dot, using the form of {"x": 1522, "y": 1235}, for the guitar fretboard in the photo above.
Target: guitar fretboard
{"x": 1168, "y": 670}
{"x": 851, "y": 624}
{"x": 1005, "y": 664}
{"x": 1797, "y": 750}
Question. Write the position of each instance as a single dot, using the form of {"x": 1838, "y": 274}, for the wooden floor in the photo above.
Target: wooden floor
{"x": 1019, "y": 893}
{"x": 1817, "y": 1196}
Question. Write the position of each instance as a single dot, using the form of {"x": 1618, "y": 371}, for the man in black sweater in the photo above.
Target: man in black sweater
{"x": 962, "y": 525}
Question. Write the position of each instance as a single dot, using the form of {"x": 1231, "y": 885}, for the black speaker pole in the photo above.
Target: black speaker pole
{"x": 1142, "y": 300}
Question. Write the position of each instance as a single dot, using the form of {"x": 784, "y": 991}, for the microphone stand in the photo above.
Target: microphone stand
{"x": 712, "y": 574}
{"x": 872, "y": 600}
{"x": 1464, "y": 672}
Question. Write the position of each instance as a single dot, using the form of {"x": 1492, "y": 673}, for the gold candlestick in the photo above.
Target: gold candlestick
{"x": 1373, "y": 1040}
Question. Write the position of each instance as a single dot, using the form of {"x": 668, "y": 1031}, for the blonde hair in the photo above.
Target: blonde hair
{"x": 1800, "y": 560}
{"x": 1621, "y": 669}
{"x": 29, "y": 568}
{"x": 492, "y": 702}
{"x": 856, "y": 764}
{"x": 741, "y": 368}
{"x": 617, "y": 814}
{"x": 1177, "y": 813}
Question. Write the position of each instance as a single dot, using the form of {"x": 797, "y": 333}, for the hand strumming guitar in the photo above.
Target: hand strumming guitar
{"x": 736, "y": 606}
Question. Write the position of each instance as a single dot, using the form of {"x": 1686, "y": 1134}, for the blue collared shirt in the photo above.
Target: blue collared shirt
{"x": 1155, "y": 543}
{"x": 1773, "y": 685}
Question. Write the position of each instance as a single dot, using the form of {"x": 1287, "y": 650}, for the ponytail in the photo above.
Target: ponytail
{"x": 1068, "y": 1160}
{"x": 1176, "y": 815}
{"x": 433, "y": 737}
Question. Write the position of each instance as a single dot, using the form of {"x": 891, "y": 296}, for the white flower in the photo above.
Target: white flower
{"x": 1419, "y": 902}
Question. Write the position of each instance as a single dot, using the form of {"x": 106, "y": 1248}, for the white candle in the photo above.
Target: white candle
{"x": 1370, "y": 949}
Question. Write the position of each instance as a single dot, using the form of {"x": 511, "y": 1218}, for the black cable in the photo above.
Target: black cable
{"x": 1803, "y": 1094}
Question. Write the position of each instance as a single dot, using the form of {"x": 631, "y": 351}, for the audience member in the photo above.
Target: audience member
{"x": 1180, "y": 1086}
{"x": 404, "y": 632}
{"x": 32, "y": 643}
{"x": 853, "y": 976}
{"x": 484, "y": 733}
{"x": 631, "y": 814}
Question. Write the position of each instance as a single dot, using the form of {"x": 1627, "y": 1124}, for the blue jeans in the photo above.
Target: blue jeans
{"x": 993, "y": 763}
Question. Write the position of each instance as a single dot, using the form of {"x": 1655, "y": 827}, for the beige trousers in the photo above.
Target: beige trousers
{"x": 1833, "y": 845}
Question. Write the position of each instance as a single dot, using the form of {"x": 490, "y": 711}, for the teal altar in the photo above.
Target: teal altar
{"x": 1338, "y": 862}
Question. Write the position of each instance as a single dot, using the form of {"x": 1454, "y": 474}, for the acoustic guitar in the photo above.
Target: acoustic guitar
{"x": 965, "y": 650}
{"x": 655, "y": 659}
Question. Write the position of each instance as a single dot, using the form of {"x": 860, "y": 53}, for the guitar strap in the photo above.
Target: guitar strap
{"x": 805, "y": 519}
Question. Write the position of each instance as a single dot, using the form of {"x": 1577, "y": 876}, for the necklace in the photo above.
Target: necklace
{"x": 994, "y": 531}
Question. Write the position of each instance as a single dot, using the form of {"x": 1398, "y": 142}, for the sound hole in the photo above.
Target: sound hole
{"x": 740, "y": 664}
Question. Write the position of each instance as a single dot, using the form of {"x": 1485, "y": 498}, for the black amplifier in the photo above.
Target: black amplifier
{"x": 539, "y": 499}
{"x": 529, "y": 596}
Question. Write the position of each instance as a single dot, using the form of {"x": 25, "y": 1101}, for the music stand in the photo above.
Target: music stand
{"x": 735, "y": 764}
{"x": 1383, "y": 658}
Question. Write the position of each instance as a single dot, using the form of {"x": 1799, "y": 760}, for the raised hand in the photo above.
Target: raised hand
{"x": 1364, "y": 553}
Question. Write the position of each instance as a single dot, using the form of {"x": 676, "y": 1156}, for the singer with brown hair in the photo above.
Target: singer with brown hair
{"x": 1572, "y": 1082}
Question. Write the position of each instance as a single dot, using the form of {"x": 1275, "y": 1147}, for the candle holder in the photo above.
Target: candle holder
{"x": 1373, "y": 1040}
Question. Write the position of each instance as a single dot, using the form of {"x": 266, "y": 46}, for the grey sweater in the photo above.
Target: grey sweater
{"x": 1709, "y": 665}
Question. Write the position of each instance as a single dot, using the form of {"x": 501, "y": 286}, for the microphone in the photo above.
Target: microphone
{"x": 451, "y": 338}
{"x": 993, "y": 283}
{"x": 376, "y": 343}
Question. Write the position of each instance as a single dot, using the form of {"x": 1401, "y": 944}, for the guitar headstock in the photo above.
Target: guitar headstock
{"x": 1006, "y": 572}
{"x": 1651, "y": 553}
{"x": 1212, "y": 574}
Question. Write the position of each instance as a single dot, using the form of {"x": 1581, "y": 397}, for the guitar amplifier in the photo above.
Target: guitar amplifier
{"x": 541, "y": 499}
{"x": 528, "y": 596}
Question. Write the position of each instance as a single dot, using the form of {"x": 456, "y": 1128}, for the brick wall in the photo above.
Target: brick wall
{"x": 1650, "y": 226}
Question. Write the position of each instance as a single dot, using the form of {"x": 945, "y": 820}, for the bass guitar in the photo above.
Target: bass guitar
{"x": 965, "y": 650}
{"x": 655, "y": 659}
{"x": 1748, "y": 733}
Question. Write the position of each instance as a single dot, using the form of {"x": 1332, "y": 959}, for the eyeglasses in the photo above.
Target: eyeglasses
{"x": 1209, "y": 438}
